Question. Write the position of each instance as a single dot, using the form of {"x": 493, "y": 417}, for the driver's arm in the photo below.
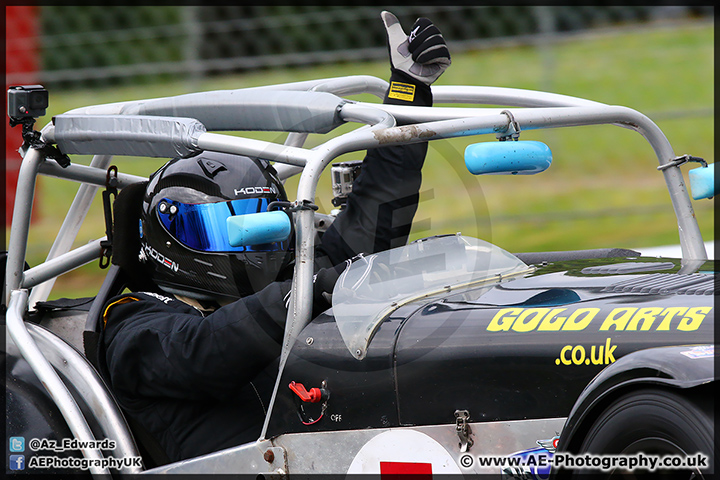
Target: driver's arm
{"x": 384, "y": 198}
{"x": 158, "y": 346}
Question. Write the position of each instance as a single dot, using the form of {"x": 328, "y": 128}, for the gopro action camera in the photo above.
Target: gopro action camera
{"x": 27, "y": 101}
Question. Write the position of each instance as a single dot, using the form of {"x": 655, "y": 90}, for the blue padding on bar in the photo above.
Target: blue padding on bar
{"x": 702, "y": 182}
{"x": 525, "y": 157}
{"x": 258, "y": 228}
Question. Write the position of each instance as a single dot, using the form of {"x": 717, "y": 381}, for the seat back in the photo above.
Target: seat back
{"x": 125, "y": 272}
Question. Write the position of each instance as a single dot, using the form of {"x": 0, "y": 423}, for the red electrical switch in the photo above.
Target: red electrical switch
{"x": 315, "y": 395}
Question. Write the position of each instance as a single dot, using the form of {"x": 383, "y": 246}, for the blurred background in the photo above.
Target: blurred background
{"x": 603, "y": 189}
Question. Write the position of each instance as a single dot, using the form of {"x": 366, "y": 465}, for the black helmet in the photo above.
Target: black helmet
{"x": 183, "y": 226}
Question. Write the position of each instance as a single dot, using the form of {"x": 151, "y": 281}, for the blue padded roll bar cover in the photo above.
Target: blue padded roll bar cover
{"x": 258, "y": 228}
{"x": 525, "y": 157}
{"x": 702, "y": 182}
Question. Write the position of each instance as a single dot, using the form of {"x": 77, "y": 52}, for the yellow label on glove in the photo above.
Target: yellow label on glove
{"x": 402, "y": 91}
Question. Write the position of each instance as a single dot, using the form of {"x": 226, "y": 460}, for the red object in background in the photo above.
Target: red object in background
{"x": 21, "y": 67}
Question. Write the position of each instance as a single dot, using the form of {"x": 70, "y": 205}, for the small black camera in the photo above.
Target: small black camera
{"x": 27, "y": 101}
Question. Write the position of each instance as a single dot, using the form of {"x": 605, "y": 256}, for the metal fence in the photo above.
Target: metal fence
{"x": 89, "y": 46}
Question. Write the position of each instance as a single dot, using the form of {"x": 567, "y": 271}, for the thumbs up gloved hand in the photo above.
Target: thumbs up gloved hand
{"x": 422, "y": 55}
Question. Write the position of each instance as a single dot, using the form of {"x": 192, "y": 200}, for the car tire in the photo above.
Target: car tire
{"x": 656, "y": 422}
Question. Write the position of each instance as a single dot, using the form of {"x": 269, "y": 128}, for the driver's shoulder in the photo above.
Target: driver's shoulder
{"x": 128, "y": 304}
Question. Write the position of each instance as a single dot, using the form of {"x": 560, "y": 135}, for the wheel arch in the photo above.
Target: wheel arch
{"x": 661, "y": 367}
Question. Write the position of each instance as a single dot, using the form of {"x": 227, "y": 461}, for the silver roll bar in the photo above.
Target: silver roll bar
{"x": 20, "y": 226}
{"x": 92, "y": 175}
{"x": 300, "y": 309}
{"x": 66, "y": 360}
{"x": 60, "y": 264}
{"x": 50, "y": 379}
{"x": 70, "y": 226}
{"x": 511, "y": 97}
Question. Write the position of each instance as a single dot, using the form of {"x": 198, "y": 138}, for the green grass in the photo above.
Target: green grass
{"x": 603, "y": 189}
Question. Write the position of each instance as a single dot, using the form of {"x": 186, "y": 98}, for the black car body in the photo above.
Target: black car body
{"x": 530, "y": 345}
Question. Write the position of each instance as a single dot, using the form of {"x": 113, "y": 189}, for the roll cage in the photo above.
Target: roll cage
{"x": 186, "y": 124}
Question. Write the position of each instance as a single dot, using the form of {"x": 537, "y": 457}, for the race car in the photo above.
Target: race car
{"x": 449, "y": 355}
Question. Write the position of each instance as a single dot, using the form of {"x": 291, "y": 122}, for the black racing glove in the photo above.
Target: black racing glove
{"x": 323, "y": 285}
{"x": 423, "y": 55}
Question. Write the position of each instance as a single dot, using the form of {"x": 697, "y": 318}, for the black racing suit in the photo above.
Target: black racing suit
{"x": 199, "y": 383}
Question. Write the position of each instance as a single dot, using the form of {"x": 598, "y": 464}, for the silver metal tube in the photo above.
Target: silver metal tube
{"x": 367, "y": 113}
{"x": 307, "y": 186}
{"x": 244, "y": 146}
{"x": 62, "y": 263}
{"x": 353, "y": 85}
{"x": 49, "y": 378}
{"x": 359, "y": 139}
{"x": 295, "y": 139}
{"x": 379, "y": 135}
{"x": 529, "y": 118}
{"x": 87, "y": 174}
{"x": 284, "y": 170}
{"x": 300, "y": 297}
{"x": 17, "y": 245}
{"x": 691, "y": 240}
{"x": 412, "y": 114}
{"x": 70, "y": 227}
{"x": 300, "y": 309}
{"x": 512, "y": 97}
{"x": 91, "y": 388}
{"x": 555, "y": 117}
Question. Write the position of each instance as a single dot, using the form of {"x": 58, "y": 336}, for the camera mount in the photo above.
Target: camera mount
{"x": 26, "y": 103}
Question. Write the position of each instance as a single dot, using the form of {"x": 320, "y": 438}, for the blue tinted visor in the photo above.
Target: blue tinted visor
{"x": 203, "y": 226}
